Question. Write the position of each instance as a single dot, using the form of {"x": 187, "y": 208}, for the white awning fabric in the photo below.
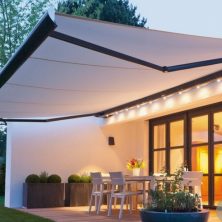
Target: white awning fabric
{"x": 63, "y": 79}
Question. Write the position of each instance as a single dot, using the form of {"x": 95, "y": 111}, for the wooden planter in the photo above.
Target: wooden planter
{"x": 43, "y": 195}
{"x": 153, "y": 216}
{"x": 77, "y": 194}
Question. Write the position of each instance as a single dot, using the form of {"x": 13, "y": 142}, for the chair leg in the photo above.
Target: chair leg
{"x": 99, "y": 203}
{"x": 110, "y": 206}
{"x": 121, "y": 207}
{"x": 96, "y": 203}
{"x": 90, "y": 203}
{"x": 107, "y": 201}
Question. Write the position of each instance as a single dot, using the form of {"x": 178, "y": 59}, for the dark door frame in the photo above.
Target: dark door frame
{"x": 187, "y": 116}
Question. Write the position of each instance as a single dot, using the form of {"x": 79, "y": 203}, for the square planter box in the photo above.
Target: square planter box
{"x": 77, "y": 194}
{"x": 43, "y": 195}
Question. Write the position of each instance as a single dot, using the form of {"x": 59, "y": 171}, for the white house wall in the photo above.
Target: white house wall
{"x": 66, "y": 147}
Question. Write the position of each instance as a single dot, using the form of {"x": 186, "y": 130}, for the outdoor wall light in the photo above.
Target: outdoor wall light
{"x": 164, "y": 97}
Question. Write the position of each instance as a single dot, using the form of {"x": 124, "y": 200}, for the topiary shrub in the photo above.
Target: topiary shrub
{"x": 54, "y": 178}
{"x": 32, "y": 178}
{"x": 43, "y": 177}
{"x": 85, "y": 179}
{"x": 74, "y": 178}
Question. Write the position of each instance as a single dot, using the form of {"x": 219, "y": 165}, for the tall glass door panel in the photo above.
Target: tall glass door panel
{"x": 217, "y": 126}
{"x": 159, "y": 161}
{"x": 177, "y": 133}
{"x": 199, "y": 130}
{"x": 159, "y": 136}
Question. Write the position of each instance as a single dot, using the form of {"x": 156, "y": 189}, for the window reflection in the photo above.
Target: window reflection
{"x": 176, "y": 159}
{"x": 217, "y": 189}
{"x": 177, "y": 133}
{"x": 218, "y": 126}
{"x": 200, "y": 159}
{"x": 204, "y": 190}
{"x": 218, "y": 158}
{"x": 200, "y": 129}
{"x": 160, "y": 136}
{"x": 159, "y": 161}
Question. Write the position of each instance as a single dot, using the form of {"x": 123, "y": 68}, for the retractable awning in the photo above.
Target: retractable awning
{"x": 72, "y": 66}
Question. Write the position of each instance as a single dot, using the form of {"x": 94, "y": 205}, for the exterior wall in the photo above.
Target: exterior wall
{"x": 66, "y": 147}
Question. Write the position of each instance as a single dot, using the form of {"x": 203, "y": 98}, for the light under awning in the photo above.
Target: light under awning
{"x": 60, "y": 79}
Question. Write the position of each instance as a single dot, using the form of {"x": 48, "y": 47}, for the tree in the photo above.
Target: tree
{"x": 117, "y": 11}
{"x": 17, "y": 18}
{"x": 2, "y": 142}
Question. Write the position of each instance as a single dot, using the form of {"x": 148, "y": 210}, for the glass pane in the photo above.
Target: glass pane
{"x": 217, "y": 189}
{"x": 159, "y": 161}
{"x": 176, "y": 159}
{"x": 160, "y": 136}
{"x": 204, "y": 190}
{"x": 177, "y": 133}
{"x": 200, "y": 159}
{"x": 218, "y": 158}
{"x": 200, "y": 129}
{"x": 218, "y": 126}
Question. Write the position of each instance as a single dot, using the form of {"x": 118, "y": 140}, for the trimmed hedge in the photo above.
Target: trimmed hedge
{"x": 54, "y": 178}
{"x": 32, "y": 178}
{"x": 74, "y": 178}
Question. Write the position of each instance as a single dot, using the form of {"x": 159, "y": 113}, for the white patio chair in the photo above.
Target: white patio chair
{"x": 119, "y": 189}
{"x": 98, "y": 191}
{"x": 193, "y": 179}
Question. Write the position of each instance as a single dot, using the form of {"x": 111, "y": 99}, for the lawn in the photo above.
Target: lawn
{"x": 12, "y": 215}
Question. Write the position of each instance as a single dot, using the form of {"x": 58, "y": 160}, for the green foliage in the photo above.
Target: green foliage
{"x": 169, "y": 197}
{"x": 85, "y": 179}
{"x": 2, "y": 143}
{"x": 2, "y": 200}
{"x": 2, "y": 179}
{"x": 32, "y": 178}
{"x": 54, "y": 178}
{"x": 117, "y": 11}
{"x": 43, "y": 177}
{"x": 74, "y": 178}
{"x": 17, "y": 19}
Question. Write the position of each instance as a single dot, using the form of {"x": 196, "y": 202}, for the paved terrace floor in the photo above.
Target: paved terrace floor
{"x": 80, "y": 214}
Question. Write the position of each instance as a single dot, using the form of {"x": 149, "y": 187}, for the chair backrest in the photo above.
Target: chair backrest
{"x": 96, "y": 178}
{"x": 117, "y": 178}
{"x": 192, "y": 178}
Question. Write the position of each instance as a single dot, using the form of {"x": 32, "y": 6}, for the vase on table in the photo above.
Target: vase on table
{"x": 136, "y": 171}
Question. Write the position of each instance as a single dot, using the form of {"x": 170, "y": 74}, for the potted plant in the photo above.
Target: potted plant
{"x": 78, "y": 190}
{"x": 135, "y": 165}
{"x": 42, "y": 191}
{"x": 172, "y": 203}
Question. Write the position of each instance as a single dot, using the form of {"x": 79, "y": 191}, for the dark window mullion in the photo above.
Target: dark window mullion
{"x": 200, "y": 144}
{"x": 168, "y": 147}
{"x": 176, "y": 147}
{"x": 211, "y": 158}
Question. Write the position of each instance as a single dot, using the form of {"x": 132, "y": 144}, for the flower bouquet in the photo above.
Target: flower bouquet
{"x": 135, "y": 165}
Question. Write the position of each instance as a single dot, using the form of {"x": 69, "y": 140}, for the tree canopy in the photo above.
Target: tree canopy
{"x": 117, "y": 11}
{"x": 17, "y": 18}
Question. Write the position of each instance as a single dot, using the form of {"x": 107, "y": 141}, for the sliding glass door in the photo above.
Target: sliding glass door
{"x": 217, "y": 156}
{"x": 199, "y": 152}
{"x": 193, "y": 137}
